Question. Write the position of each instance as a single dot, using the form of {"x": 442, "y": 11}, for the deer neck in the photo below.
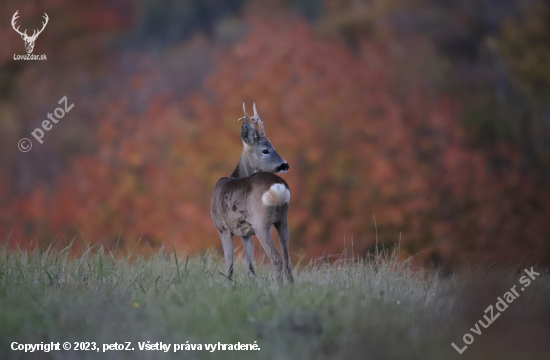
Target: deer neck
{"x": 243, "y": 169}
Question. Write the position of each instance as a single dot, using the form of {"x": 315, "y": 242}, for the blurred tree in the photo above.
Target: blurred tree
{"x": 525, "y": 48}
{"x": 360, "y": 116}
{"x": 355, "y": 151}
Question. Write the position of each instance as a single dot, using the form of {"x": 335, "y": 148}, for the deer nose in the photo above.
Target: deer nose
{"x": 283, "y": 167}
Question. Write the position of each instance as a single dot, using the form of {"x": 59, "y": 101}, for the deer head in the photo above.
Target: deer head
{"x": 258, "y": 154}
{"x": 29, "y": 40}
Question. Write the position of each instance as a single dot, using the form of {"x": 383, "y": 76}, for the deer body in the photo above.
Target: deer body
{"x": 252, "y": 200}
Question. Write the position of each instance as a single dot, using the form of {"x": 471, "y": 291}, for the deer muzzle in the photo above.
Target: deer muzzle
{"x": 282, "y": 168}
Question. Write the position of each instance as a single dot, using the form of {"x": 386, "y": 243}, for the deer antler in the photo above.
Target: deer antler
{"x": 255, "y": 120}
{"x": 245, "y": 117}
{"x": 43, "y": 26}
{"x": 34, "y": 34}
{"x": 15, "y": 16}
{"x": 259, "y": 122}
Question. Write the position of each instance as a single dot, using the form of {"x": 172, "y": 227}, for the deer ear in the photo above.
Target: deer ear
{"x": 247, "y": 134}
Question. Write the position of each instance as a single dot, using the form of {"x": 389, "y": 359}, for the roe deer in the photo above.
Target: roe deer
{"x": 252, "y": 199}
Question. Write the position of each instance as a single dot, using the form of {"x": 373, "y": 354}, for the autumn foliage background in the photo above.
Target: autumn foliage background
{"x": 418, "y": 124}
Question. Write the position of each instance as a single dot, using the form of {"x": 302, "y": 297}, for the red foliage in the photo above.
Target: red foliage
{"x": 355, "y": 151}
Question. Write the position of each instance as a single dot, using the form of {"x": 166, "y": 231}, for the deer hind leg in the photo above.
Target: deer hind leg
{"x": 264, "y": 235}
{"x": 227, "y": 243}
{"x": 284, "y": 239}
{"x": 248, "y": 242}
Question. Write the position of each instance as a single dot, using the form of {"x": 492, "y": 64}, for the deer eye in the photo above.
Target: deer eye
{"x": 265, "y": 151}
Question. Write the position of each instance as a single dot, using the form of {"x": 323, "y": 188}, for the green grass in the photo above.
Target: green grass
{"x": 348, "y": 309}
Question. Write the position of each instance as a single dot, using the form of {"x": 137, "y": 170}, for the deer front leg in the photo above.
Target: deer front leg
{"x": 284, "y": 239}
{"x": 248, "y": 242}
{"x": 227, "y": 243}
{"x": 267, "y": 242}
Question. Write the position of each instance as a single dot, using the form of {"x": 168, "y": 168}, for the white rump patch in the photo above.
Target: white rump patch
{"x": 277, "y": 194}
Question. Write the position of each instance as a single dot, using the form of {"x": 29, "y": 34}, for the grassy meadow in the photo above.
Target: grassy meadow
{"x": 376, "y": 308}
